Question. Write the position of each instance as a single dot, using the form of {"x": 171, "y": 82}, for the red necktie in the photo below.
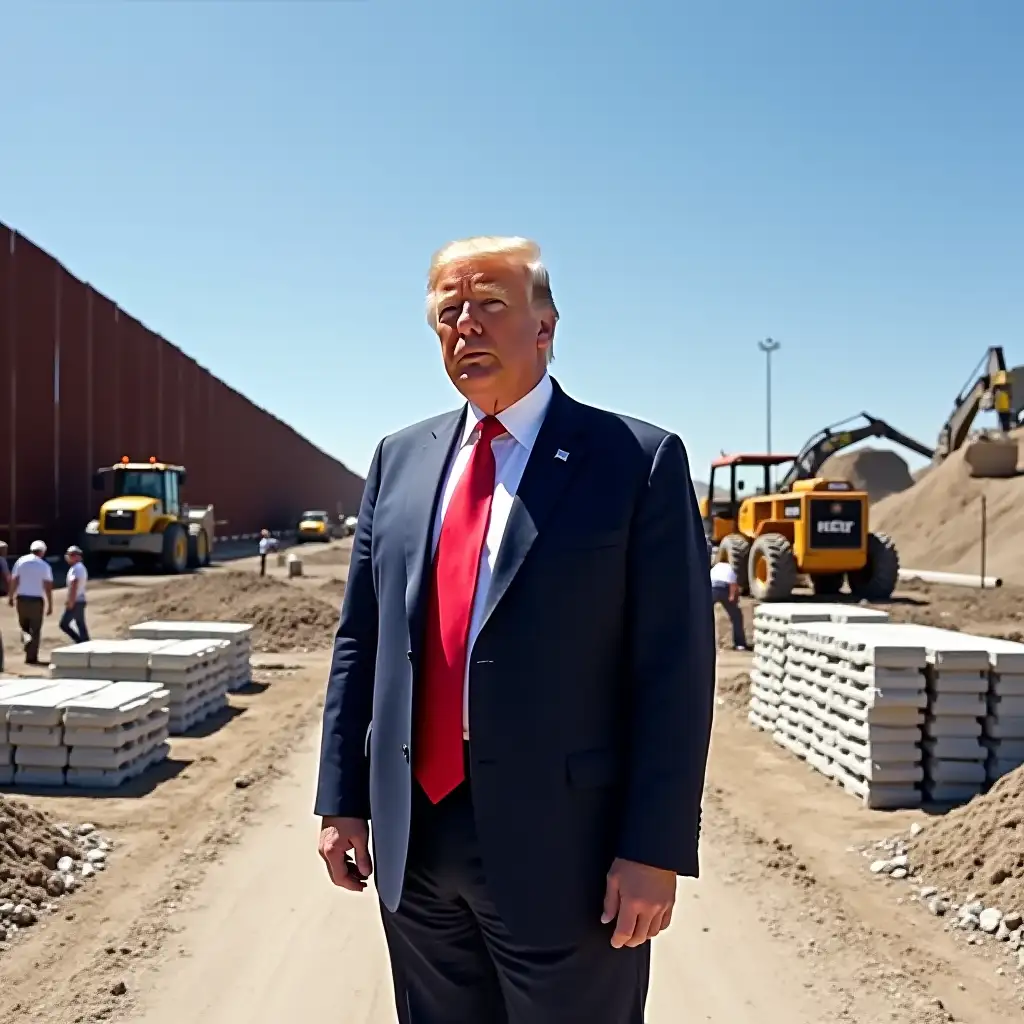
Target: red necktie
{"x": 437, "y": 753}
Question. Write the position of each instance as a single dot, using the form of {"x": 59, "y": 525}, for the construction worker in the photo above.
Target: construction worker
{"x": 72, "y": 621}
{"x": 725, "y": 590}
{"x": 5, "y": 588}
{"x": 266, "y": 546}
{"x": 31, "y": 591}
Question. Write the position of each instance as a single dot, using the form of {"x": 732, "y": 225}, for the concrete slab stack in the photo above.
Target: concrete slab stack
{"x": 997, "y": 731}
{"x": 854, "y": 705}
{"x": 115, "y": 734}
{"x": 196, "y": 673}
{"x": 12, "y": 687}
{"x": 1003, "y": 727}
{"x": 83, "y": 732}
{"x": 193, "y": 674}
{"x": 239, "y": 635}
{"x": 772, "y": 623}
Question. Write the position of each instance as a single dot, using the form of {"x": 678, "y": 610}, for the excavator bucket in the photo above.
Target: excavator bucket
{"x": 992, "y": 455}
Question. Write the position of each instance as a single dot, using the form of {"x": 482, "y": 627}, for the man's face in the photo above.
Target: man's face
{"x": 493, "y": 340}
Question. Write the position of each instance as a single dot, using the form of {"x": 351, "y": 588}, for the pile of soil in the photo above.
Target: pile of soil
{"x": 878, "y": 471}
{"x": 30, "y": 847}
{"x": 936, "y": 524}
{"x": 287, "y": 618}
{"x": 995, "y": 612}
{"x": 328, "y": 556}
{"x": 978, "y": 848}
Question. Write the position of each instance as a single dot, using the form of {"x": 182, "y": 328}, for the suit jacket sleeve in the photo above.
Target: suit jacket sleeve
{"x": 343, "y": 786}
{"x": 671, "y": 651}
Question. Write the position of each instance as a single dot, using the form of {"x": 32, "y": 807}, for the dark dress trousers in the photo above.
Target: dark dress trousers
{"x": 591, "y": 693}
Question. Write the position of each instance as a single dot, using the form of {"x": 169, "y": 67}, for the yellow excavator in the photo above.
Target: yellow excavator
{"x": 146, "y": 521}
{"x": 804, "y": 526}
{"x": 989, "y": 388}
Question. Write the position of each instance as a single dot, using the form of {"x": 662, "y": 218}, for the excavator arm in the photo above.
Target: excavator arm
{"x": 988, "y": 389}
{"x": 838, "y": 436}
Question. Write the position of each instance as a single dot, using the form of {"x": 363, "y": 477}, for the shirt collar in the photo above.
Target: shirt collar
{"x": 522, "y": 420}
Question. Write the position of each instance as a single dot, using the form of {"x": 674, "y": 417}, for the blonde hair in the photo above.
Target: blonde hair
{"x": 512, "y": 249}
{"x": 723, "y": 555}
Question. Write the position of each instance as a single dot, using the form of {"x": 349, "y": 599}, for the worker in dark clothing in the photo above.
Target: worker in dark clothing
{"x": 5, "y": 588}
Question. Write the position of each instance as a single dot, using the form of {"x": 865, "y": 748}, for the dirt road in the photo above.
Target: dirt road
{"x": 258, "y": 948}
{"x": 761, "y": 938}
{"x": 215, "y": 907}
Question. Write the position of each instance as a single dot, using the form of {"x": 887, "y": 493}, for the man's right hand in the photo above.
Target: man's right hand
{"x": 337, "y": 837}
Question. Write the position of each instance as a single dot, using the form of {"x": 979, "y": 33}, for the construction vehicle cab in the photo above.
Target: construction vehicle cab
{"x": 817, "y": 528}
{"x": 145, "y": 520}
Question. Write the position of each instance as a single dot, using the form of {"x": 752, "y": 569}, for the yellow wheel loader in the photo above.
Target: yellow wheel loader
{"x": 817, "y": 529}
{"x": 145, "y": 520}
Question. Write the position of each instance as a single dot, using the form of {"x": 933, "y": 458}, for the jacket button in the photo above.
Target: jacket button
{"x": 408, "y": 654}
{"x": 405, "y": 752}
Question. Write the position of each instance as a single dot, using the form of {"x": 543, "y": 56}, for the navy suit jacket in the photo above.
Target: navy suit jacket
{"x": 591, "y": 681}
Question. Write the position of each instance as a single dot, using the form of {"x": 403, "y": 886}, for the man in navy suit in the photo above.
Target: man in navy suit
{"x": 521, "y": 693}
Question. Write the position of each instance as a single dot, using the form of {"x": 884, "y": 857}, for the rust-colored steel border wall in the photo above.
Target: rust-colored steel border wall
{"x": 83, "y": 383}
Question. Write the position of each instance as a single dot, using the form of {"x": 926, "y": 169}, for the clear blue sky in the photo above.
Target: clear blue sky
{"x": 263, "y": 183}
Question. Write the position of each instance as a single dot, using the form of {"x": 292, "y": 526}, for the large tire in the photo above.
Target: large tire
{"x": 737, "y": 547}
{"x": 878, "y": 579}
{"x": 827, "y": 584}
{"x": 96, "y": 563}
{"x": 174, "y": 555}
{"x": 198, "y": 550}
{"x": 772, "y": 568}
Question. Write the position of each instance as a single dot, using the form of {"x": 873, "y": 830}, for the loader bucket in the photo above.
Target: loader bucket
{"x": 992, "y": 456}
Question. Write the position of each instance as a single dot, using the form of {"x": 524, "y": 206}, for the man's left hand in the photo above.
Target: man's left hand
{"x": 639, "y": 899}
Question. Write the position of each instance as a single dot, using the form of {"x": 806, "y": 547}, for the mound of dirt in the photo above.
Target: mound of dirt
{"x": 32, "y": 869}
{"x": 997, "y": 612}
{"x": 937, "y": 523}
{"x": 330, "y": 556}
{"x": 286, "y": 617}
{"x": 878, "y": 471}
{"x": 978, "y": 848}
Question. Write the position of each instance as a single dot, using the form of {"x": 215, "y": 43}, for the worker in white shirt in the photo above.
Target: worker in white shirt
{"x": 725, "y": 590}
{"x": 31, "y": 592}
{"x": 266, "y": 546}
{"x": 73, "y": 619}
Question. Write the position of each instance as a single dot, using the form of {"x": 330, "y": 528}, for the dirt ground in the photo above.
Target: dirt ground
{"x": 993, "y": 612}
{"x": 215, "y": 908}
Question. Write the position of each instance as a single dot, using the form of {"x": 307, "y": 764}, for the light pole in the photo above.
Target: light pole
{"x": 768, "y": 346}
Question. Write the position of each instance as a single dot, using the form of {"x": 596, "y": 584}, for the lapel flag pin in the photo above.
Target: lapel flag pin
{"x": 561, "y": 455}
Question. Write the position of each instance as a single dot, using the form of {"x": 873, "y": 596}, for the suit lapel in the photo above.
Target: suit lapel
{"x": 545, "y": 478}
{"x": 424, "y": 489}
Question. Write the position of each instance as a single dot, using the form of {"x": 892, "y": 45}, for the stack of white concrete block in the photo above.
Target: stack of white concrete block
{"x": 194, "y": 675}
{"x": 12, "y": 687}
{"x": 957, "y": 680}
{"x": 1004, "y": 719}
{"x": 975, "y": 730}
{"x": 772, "y": 624}
{"x": 238, "y": 634}
{"x": 854, "y": 704}
{"x": 83, "y": 732}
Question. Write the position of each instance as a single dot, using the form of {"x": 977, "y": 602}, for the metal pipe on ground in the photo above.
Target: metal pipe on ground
{"x": 952, "y": 579}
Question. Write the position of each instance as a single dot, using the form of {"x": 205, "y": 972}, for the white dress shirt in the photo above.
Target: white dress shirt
{"x": 522, "y": 423}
